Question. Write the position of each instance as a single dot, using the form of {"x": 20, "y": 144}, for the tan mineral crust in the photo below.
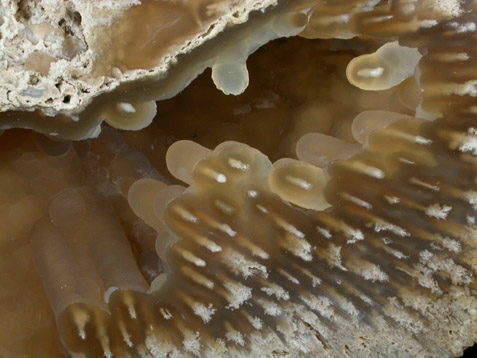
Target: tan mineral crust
{"x": 53, "y": 49}
{"x": 56, "y": 49}
{"x": 57, "y": 56}
{"x": 238, "y": 178}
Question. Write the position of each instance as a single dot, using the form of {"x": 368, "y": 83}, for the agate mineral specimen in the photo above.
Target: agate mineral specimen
{"x": 173, "y": 183}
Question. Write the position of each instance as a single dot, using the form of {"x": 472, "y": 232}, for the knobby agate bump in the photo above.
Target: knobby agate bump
{"x": 328, "y": 210}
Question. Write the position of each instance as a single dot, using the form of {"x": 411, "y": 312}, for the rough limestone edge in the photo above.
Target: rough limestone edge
{"x": 75, "y": 78}
{"x": 451, "y": 329}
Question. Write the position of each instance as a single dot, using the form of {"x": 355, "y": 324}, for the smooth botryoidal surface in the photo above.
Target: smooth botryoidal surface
{"x": 321, "y": 149}
{"x": 182, "y": 157}
{"x": 390, "y": 65}
{"x": 299, "y": 183}
{"x": 368, "y": 121}
{"x": 304, "y": 217}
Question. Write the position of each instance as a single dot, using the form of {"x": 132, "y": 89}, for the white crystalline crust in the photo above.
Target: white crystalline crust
{"x": 38, "y": 27}
{"x": 33, "y": 26}
{"x": 448, "y": 8}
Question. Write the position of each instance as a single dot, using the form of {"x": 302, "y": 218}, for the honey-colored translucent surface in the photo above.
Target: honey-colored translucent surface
{"x": 299, "y": 183}
{"x": 183, "y": 156}
{"x": 390, "y": 65}
{"x": 368, "y": 121}
{"x": 305, "y": 217}
{"x": 320, "y": 150}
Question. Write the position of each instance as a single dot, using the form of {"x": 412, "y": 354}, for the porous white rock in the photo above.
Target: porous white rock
{"x": 52, "y": 52}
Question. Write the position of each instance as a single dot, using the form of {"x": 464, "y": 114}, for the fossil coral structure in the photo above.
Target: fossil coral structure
{"x": 319, "y": 199}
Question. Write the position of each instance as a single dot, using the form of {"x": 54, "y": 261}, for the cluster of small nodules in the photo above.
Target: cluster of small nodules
{"x": 301, "y": 182}
{"x": 351, "y": 18}
{"x": 295, "y": 181}
{"x": 392, "y": 68}
{"x": 189, "y": 162}
{"x": 321, "y": 150}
